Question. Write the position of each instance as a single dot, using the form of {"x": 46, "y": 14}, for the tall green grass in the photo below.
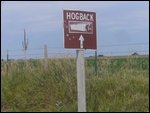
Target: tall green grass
{"x": 121, "y": 84}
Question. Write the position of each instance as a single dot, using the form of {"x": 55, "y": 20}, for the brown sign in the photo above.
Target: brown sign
{"x": 79, "y": 29}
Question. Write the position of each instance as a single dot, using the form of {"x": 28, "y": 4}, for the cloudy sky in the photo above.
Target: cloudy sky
{"x": 118, "y": 23}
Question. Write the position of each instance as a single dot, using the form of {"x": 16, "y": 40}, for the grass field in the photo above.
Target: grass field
{"x": 121, "y": 84}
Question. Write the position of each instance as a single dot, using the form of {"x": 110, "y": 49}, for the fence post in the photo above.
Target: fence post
{"x": 7, "y": 61}
{"x": 45, "y": 57}
{"x": 96, "y": 62}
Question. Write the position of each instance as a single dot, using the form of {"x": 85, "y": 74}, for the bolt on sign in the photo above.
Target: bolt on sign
{"x": 79, "y": 29}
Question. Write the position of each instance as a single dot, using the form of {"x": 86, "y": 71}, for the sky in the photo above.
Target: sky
{"x": 118, "y": 23}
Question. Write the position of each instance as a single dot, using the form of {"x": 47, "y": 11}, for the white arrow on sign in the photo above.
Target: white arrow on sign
{"x": 81, "y": 41}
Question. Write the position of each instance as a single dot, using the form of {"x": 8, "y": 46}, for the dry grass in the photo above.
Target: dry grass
{"x": 120, "y": 85}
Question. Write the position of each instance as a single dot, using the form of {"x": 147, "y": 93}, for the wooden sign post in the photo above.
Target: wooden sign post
{"x": 80, "y": 33}
{"x": 81, "y": 81}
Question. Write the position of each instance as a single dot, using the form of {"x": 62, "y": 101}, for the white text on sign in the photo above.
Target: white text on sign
{"x": 79, "y": 16}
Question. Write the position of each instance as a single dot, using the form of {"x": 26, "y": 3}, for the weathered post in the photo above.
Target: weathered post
{"x": 96, "y": 62}
{"x": 25, "y": 44}
{"x": 45, "y": 57}
{"x": 81, "y": 81}
{"x": 7, "y": 61}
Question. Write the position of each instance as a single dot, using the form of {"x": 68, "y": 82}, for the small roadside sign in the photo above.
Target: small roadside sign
{"x": 79, "y": 29}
